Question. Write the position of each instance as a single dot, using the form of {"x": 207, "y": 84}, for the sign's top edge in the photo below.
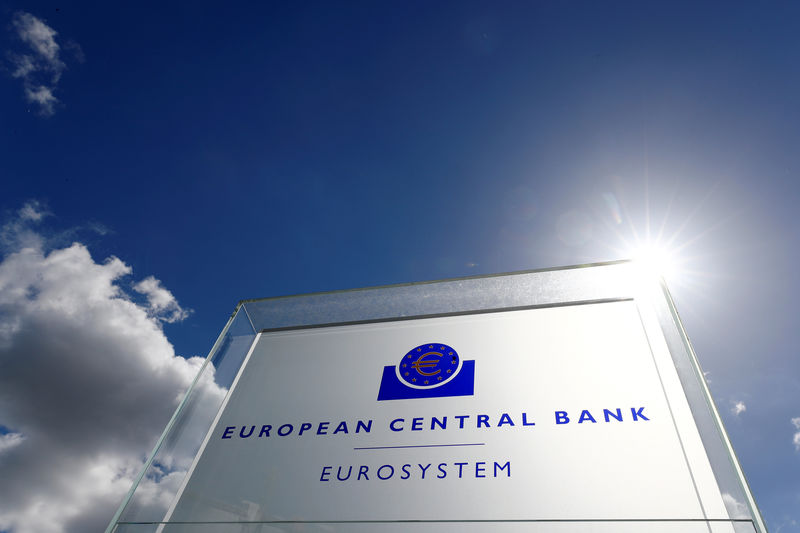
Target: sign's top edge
{"x": 431, "y": 282}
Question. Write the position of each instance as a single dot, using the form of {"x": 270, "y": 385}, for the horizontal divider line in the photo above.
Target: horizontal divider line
{"x": 420, "y": 446}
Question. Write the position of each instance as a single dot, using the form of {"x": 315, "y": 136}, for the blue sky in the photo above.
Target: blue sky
{"x": 242, "y": 151}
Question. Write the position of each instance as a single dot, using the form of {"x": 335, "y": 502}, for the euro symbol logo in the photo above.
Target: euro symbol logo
{"x": 428, "y": 365}
{"x": 423, "y": 363}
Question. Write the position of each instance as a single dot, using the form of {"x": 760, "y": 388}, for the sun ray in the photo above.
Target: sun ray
{"x": 694, "y": 212}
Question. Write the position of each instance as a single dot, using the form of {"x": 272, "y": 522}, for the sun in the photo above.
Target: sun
{"x": 655, "y": 260}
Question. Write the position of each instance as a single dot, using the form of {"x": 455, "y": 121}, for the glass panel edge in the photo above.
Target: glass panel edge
{"x": 178, "y": 410}
{"x": 442, "y": 280}
{"x": 712, "y": 407}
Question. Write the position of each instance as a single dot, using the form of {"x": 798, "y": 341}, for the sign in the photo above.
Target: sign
{"x": 527, "y": 416}
{"x": 556, "y": 401}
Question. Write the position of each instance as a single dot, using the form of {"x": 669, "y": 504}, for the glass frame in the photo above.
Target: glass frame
{"x": 142, "y": 510}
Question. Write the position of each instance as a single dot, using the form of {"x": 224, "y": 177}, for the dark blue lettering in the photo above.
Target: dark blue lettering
{"x": 264, "y": 431}
{"x": 610, "y": 414}
{"x": 416, "y": 424}
{"x": 325, "y": 473}
{"x": 443, "y": 473}
{"x": 406, "y": 473}
{"x": 423, "y": 468}
{"x": 241, "y": 431}
{"x": 322, "y": 429}
{"x": 227, "y": 433}
{"x": 461, "y": 419}
{"x": 483, "y": 419}
{"x": 391, "y": 425}
{"x": 367, "y": 427}
{"x": 362, "y": 471}
{"x": 561, "y": 417}
{"x": 390, "y": 467}
{"x": 480, "y": 468}
{"x": 637, "y": 414}
{"x": 341, "y": 428}
{"x": 339, "y": 473}
{"x": 304, "y": 427}
{"x": 283, "y": 433}
{"x": 503, "y": 467}
{"x": 441, "y": 423}
{"x": 525, "y": 420}
{"x": 505, "y": 419}
{"x": 460, "y": 468}
{"x": 586, "y": 415}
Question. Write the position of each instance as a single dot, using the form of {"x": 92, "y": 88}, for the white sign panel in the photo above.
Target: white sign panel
{"x": 547, "y": 414}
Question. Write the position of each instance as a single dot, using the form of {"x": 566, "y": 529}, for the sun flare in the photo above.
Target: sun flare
{"x": 656, "y": 260}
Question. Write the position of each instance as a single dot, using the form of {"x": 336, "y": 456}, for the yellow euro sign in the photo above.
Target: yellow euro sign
{"x": 422, "y": 362}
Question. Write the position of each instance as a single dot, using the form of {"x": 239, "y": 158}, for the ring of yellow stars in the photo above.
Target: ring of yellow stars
{"x": 428, "y": 366}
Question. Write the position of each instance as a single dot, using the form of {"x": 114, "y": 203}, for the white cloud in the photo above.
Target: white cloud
{"x": 17, "y": 234}
{"x": 38, "y": 35}
{"x": 736, "y": 509}
{"x": 40, "y": 66}
{"x": 32, "y": 210}
{"x": 10, "y": 440}
{"x": 738, "y": 408}
{"x": 796, "y": 438}
{"x": 87, "y": 382}
{"x": 161, "y": 302}
{"x": 791, "y": 522}
{"x": 43, "y": 96}
{"x": 24, "y": 65}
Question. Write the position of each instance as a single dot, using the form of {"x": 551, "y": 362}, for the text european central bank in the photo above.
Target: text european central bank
{"x": 570, "y": 403}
